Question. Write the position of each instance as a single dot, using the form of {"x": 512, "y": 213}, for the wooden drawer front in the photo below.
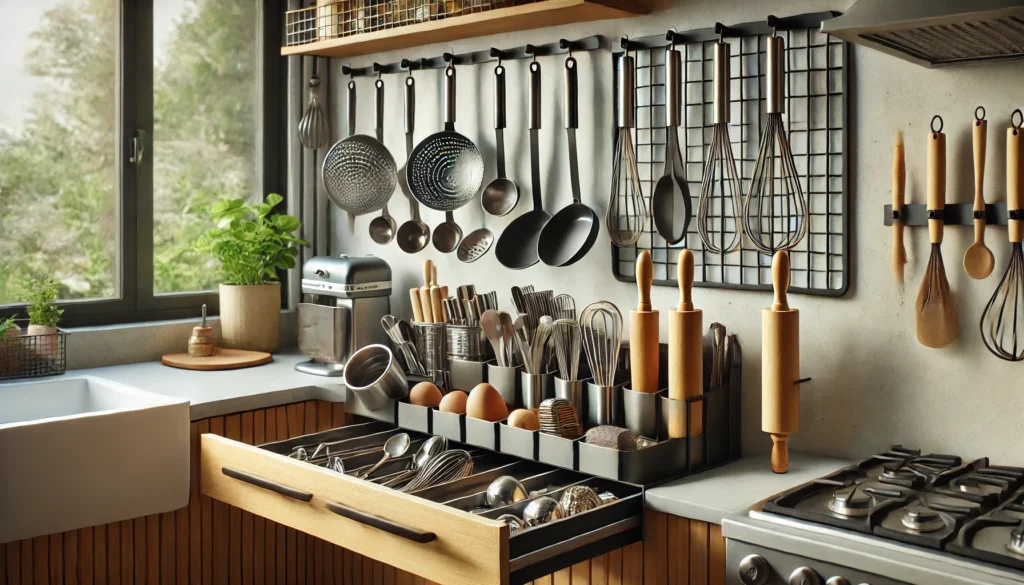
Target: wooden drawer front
{"x": 465, "y": 549}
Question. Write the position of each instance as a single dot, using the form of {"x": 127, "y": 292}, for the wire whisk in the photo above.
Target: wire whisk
{"x": 1001, "y": 327}
{"x": 775, "y": 210}
{"x": 720, "y": 190}
{"x": 314, "y": 129}
{"x": 627, "y": 211}
{"x": 601, "y": 333}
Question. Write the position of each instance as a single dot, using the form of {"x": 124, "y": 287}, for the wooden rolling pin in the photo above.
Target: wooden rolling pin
{"x": 780, "y": 366}
{"x": 417, "y": 308}
{"x": 643, "y": 331}
{"x": 685, "y": 351}
{"x": 425, "y": 306}
{"x": 436, "y": 306}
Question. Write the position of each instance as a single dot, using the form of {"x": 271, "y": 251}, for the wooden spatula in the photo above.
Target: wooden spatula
{"x": 936, "y": 316}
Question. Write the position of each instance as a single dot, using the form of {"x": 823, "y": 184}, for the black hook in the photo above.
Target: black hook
{"x": 1016, "y": 127}
{"x": 939, "y": 118}
{"x": 982, "y": 116}
{"x": 774, "y": 22}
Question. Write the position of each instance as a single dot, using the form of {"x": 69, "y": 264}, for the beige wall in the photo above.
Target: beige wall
{"x": 873, "y": 384}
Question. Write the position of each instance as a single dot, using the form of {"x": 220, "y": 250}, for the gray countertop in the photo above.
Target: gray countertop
{"x": 712, "y": 495}
{"x": 228, "y": 391}
{"x": 709, "y": 496}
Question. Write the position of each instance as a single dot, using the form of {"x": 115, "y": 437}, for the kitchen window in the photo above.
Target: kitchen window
{"x": 123, "y": 120}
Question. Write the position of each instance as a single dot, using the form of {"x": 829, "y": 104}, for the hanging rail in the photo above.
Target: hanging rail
{"x": 563, "y": 46}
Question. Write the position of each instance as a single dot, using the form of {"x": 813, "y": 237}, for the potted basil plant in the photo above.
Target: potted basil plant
{"x": 43, "y": 315}
{"x": 252, "y": 243}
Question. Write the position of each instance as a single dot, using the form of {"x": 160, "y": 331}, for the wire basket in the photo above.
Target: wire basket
{"x": 342, "y": 18}
{"x": 33, "y": 356}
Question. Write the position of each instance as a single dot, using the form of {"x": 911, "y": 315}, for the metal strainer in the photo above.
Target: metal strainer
{"x": 446, "y": 170}
{"x": 359, "y": 172}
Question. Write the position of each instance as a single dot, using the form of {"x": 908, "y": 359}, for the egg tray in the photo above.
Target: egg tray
{"x": 668, "y": 459}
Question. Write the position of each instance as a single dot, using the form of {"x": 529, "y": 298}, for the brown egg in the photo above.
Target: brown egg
{"x": 425, "y": 394}
{"x": 486, "y": 403}
{"x": 524, "y": 418}
{"x": 455, "y": 402}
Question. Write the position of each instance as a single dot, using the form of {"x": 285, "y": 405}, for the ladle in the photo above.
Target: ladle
{"x": 382, "y": 228}
{"x": 447, "y": 235}
{"x": 501, "y": 195}
{"x": 571, "y": 233}
{"x": 413, "y": 235}
{"x": 517, "y": 246}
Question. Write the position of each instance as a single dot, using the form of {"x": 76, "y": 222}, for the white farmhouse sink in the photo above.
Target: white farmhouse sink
{"x": 83, "y": 451}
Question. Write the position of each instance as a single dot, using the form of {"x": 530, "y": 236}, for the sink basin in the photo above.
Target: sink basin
{"x": 83, "y": 451}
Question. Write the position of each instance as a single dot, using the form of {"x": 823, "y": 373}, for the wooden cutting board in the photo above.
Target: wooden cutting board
{"x": 224, "y": 359}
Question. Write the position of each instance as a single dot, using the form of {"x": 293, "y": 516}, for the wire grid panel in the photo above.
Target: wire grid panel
{"x": 815, "y": 119}
{"x": 344, "y": 18}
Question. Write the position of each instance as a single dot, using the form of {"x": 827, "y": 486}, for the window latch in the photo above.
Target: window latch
{"x": 138, "y": 147}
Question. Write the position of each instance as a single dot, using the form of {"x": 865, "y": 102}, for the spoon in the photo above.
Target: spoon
{"x": 396, "y": 446}
{"x": 978, "y": 260}
{"x": 490, "y": 322}
{"x": 447, "y": 235}
{"x": 672, "y": 187}
{"x": 413, "y": 235}
{"x": 501, "y": 195}
{"x": 475, "y": 246}
{"x": 382, "y": 228}
{"x": 428, "y": 450}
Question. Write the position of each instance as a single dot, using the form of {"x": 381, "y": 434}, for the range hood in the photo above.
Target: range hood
{"x": 935, "y": 33}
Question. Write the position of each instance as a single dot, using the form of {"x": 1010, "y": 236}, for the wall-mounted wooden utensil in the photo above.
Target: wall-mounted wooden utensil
{"x": 685, "y": 350}
{"x": 780, "y": 366}
{"x": 936, "y": 316}
{"x": 978, "y": 260}
{"x": 643, "y": 330}
{"x": 417, "y": 308}
{"x": 899, "y": 190}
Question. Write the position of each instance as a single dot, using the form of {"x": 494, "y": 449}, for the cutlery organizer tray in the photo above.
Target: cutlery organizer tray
{"x": 444, "y": 533}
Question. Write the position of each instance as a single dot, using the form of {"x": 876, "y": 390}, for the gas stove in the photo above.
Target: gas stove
{"x": 901, "y": 516}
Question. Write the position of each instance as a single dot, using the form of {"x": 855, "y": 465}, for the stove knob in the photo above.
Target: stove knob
{"x": 805, "y": 576}
{"x": 838, "y": 581}
{"x": 754, "y": 570}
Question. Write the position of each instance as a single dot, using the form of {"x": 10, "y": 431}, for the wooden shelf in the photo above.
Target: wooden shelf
{"x": 502, "y": 20}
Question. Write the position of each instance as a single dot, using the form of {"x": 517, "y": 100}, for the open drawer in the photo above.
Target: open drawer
{"x": 444, "y": 533}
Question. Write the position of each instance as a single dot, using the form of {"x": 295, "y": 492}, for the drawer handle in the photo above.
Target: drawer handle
{"x": 267, "y": 484}
{"x": 382, "y": 524}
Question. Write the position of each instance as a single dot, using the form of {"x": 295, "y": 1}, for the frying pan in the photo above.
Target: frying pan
{"x": 359, "y": 172}
{"x": 572, "y": 231}
{"x": 517, "y": 246}
{"x": 446, "y": 170}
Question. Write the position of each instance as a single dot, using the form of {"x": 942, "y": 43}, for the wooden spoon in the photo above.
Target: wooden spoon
{"x": 978, "y": 260}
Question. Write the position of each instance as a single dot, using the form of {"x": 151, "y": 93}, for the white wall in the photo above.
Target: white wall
{"x": 873, "y": 385}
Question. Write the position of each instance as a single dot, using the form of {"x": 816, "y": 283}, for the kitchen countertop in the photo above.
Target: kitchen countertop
{"x": 712, "y": 495}
{"x": 229, "y": 391}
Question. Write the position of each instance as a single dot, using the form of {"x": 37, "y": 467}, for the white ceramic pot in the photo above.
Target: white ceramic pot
{"x": 250, "y": 316}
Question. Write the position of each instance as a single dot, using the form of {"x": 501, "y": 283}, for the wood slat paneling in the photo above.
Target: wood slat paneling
{"x": 211, "y": 543}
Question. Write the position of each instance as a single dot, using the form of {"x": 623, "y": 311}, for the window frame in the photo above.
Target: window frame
{"x": 134, "y": 262}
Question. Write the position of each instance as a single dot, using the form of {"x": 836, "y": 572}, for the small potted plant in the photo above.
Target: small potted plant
{"x": 9, "y": 353}
{"x": 43, "y": 315}
{"x": 252, "y": 243}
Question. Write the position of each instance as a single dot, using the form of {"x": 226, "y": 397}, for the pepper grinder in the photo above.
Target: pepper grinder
{"x": 780, "y": 366}
{"x": 685, "y": 351}
{"x": 643, "y": 330}
{"x": 201, "y": 342}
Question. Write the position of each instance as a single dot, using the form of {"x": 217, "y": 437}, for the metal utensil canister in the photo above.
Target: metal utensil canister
{"x": 372, "y": 374}
{"x": 430, "y": 345}
{"x": 465, "y": 342}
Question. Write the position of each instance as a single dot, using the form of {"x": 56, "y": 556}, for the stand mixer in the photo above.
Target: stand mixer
{"x": 344, "y": 299}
